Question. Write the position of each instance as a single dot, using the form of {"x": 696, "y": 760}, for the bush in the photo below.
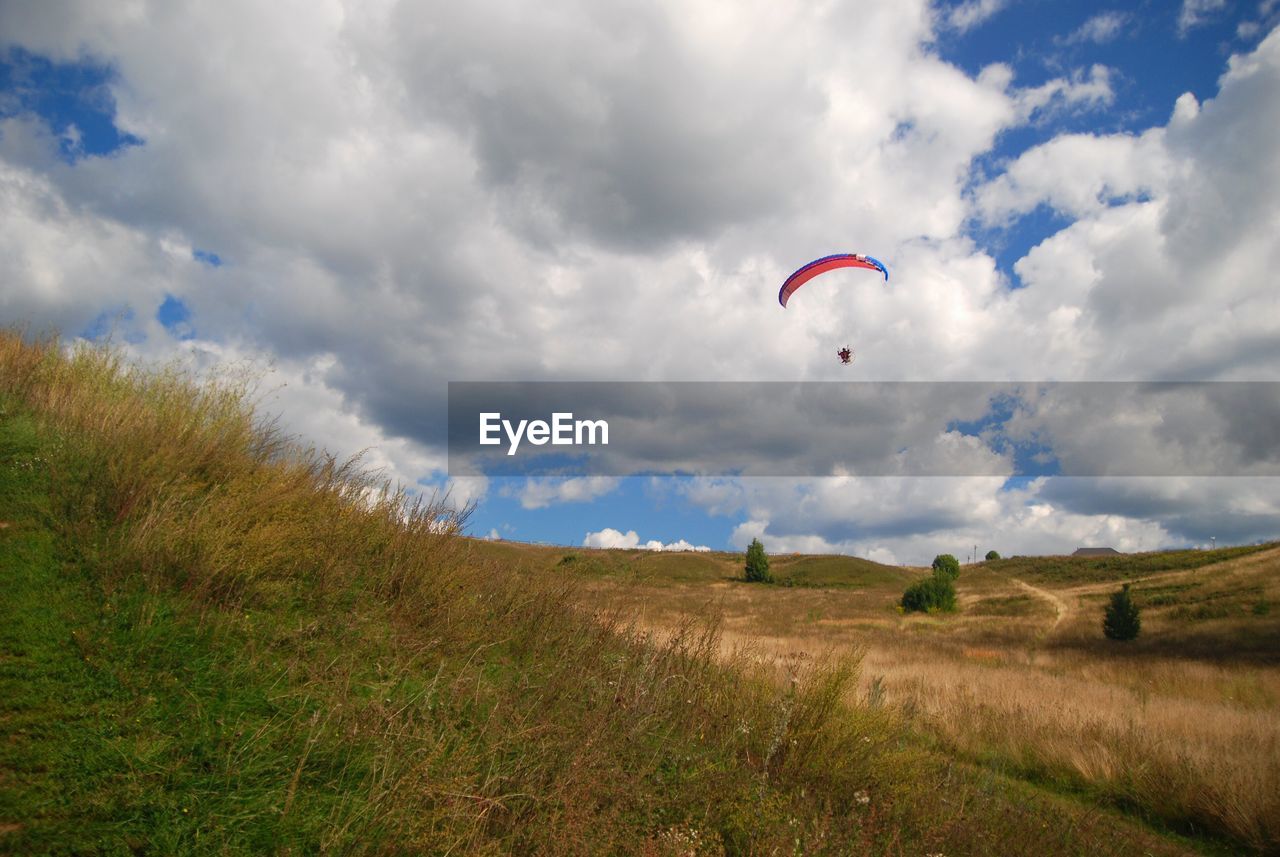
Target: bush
{"x": 757, "y": 569}
{"x": 1121, "y": 620}
{"x": 937, "y": 594}
{"x": 945, "y": 563}
{"x": 991, "y": 555}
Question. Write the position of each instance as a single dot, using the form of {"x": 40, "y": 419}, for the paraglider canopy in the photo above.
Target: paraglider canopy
{"x": 827, "y": 263}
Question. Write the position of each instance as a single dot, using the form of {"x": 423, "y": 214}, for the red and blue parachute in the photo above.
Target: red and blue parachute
{"x": 828, "y": 263}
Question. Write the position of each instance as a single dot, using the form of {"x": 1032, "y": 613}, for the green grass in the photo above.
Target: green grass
{"x": 136, "y": 719}
{"x": 238, "y": 652}
{"x": 143, "y": 718}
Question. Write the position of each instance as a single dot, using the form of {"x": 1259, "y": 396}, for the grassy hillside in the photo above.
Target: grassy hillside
{"x": 214, "y": 639}
{"x": 1066, "y": 570}
{"x": 822, "y": 571}
{"x": 1181, "y": 725}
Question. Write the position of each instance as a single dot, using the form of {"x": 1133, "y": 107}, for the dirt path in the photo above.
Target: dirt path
{"x": 1250, "y": 563}
{"x": 1064, "y": 606}
{"x": 1060, "y": 605}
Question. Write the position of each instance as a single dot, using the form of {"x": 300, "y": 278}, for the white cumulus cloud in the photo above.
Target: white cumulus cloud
{"x": 540, "y": 493}
{"x": 611, "y": 538}
{"x": 408, "y": 195}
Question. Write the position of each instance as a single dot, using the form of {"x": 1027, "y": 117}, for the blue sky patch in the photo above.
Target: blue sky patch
{"x": 1031, "y": 459}
{"x": 112, "y": 323}
{"x": 1151, "y": 58}
{"x": 655, "y": 510}
{"x": 1010, "y": 243}
{"x": 175, "y": 317}
{"x": 73, "y": 99}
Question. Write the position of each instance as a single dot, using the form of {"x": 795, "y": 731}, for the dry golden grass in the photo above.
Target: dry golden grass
{"x": 1184, "y": 726}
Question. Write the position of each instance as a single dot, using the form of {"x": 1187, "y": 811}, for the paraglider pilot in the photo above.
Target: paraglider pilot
{"x": 845, "y": 354}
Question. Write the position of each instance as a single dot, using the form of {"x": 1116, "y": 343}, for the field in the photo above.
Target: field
{"x": 1181, "y": 725}
{"x": 217, "y": 640}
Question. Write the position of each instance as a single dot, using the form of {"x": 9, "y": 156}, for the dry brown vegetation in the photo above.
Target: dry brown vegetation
{"x": 1182, "y": 725}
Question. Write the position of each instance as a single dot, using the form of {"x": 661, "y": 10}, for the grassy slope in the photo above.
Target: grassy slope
{"x": 1069, "y": 570}
{"x": 802, "y": 570}
{"x": 213, "y": 642}
{"x": 137, "y": 720}
{"x": 1212, "y": 605}
{"x": 1180, "y": 725}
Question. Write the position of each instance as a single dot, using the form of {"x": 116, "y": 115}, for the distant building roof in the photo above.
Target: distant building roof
{"x": 1096, "y": 552}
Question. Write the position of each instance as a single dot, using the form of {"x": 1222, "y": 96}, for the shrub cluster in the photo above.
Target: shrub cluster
{"x": 945, "y": 563}
{"x": 936, "y": 593}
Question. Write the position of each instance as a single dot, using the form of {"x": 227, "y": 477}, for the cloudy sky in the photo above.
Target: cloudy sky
{"x": 365, "y": 201}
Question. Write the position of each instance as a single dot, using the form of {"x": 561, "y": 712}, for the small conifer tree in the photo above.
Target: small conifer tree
{"x": 757, "y": 570}
{"x": 1121, "y": 620}
{"x": 991, "y": 555}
